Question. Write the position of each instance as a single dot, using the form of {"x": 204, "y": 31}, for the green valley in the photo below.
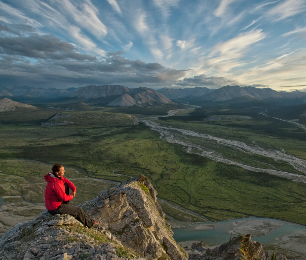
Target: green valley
{"x": 107, "y": 144}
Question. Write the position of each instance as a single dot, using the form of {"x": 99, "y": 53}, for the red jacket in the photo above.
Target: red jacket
{"x": 55, "y": 191}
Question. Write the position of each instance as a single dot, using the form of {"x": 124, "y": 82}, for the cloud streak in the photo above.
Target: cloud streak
{"x": 223, "y": 7}
{"x": 287, "y": 9}
{"x": 115, "y": 6}
{"x": 227, "y": 55}
{"x": 85, "y": 16}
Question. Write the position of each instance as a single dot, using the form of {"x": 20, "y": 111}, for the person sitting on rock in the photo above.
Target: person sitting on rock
{"x": 57, "y": 196}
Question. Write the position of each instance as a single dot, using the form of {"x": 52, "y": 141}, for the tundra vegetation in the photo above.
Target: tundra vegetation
{"x": 106, "y": 144}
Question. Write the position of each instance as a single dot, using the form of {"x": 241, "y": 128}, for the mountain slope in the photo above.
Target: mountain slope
{"x": 93, "y": 91}
{"x": 124, "y": 100}
{"x": 173, "y": 93}
{"x": 141, "y": 97}
{"x": 232, "y": 92}
{"x": 7, "y": 104}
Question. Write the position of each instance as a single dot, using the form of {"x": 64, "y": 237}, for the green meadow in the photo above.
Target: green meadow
{"x": 108, "y": 145}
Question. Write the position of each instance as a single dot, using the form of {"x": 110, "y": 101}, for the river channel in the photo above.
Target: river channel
{"x": 263, "y": 230}
{"x": 282, "y": 234}
{"x": 2, "y": 202}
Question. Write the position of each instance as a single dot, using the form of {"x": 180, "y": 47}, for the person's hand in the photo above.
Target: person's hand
{"x": 73, "y": 193}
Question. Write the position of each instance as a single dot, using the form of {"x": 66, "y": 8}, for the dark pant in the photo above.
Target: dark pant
{"x": 76, "y": 212}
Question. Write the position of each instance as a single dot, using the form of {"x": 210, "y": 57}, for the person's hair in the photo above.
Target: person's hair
{"x": 56, "y": 167}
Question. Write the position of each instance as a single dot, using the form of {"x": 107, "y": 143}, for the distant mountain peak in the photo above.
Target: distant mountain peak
{"x": 140, "y": 97}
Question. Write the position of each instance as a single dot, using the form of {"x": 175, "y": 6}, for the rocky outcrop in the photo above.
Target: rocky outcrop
{"x": 238, "y": 248}
{"x": 60, "y": 237}
{"x": 132, "y": 225}
{"x": 7, "y": 104}
{"x": 132, "y": 214}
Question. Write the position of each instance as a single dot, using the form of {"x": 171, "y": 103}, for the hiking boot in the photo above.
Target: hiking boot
{"x": 95, "y": 224}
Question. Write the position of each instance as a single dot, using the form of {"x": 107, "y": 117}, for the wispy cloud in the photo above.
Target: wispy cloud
{"x": 14, "y": 15}
{"x": 226, "y": 55}
{"x": 86, "y": 42}
{"x": 301, "y": 32}
{"x": 252, "y": 23}
{"x": 165, "y": 6}
{"x": 287, "y": 8}
{"x": 166, "y": 40}
{"x": 141, "y": 25}
{"x": 86, "y": 16}
{"x": 47, "y": 12}
{"x": 185, "y": 44}
{"x": 115, "y": 6}
{"x": 287, "y": 69}
{"x": 222, "y": 8}
{"x": 128, "y": 46}
{"x": 261, "y": 6}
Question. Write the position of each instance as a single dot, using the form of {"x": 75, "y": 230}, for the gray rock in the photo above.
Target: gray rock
{"x": 65, "y": 256}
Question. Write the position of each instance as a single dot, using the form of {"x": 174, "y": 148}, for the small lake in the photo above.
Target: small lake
{"x": 268, "y": 230}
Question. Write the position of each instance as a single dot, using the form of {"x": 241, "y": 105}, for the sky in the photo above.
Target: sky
{"x": 153, "y": 43}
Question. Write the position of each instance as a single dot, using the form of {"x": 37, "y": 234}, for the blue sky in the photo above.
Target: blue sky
{"x": 153, "y": 43}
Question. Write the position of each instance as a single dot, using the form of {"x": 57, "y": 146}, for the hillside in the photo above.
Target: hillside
{"x": 92, "y": 119}
{"x": 7, "y": 104}
{"x": 131, "y": 225}
{"x": 140, "y": 97}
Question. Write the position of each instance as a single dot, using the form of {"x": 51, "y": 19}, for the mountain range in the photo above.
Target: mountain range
{"x": 232, "y": 92}
{"x": 117, "y": 95}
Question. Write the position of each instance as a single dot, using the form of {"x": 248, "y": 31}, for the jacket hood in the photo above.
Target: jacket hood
{"x": 50, "y": 177}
